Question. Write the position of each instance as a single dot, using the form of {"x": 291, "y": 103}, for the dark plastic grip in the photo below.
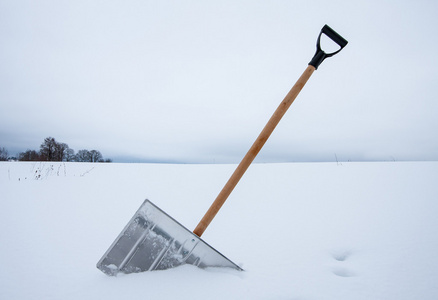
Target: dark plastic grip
{"x": 334, "y": 36}
{"x": 320, "y": 55}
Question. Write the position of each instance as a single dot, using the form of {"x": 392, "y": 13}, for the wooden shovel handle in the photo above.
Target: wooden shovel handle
{"x": 253, "y": 151}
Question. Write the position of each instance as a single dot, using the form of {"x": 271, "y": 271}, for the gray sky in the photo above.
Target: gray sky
{"x": 196, "y": 81}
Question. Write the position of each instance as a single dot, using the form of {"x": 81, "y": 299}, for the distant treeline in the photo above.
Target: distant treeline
{"x": 51, "y": 150}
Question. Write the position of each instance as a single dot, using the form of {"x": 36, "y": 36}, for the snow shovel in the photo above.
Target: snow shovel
{"x": 152, "y": 240}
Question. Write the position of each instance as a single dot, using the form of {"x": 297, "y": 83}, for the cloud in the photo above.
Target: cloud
{"x": 197, "y": 81}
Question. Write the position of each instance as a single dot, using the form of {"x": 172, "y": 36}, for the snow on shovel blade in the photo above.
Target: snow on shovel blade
{"x": 153, "y": 240}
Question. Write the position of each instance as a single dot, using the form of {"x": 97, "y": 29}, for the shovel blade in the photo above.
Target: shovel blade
{"x": 153, "y": 240}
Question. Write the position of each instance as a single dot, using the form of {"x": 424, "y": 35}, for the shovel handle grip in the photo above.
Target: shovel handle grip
{"x": 253, "y": 151}
{"x": 320, "y": 55}
{"x": 336, "y": 37}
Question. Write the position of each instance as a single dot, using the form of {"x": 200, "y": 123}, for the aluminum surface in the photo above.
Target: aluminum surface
{"x": 152, "y": 240}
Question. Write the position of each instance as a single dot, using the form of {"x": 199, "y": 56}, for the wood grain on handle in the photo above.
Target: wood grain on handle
{"x": 253, "y": 151}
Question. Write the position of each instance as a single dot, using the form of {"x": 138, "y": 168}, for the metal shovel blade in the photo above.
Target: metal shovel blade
{"x": 153, "y": 240}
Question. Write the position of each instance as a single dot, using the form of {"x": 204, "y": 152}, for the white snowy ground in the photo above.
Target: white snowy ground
{"x": 300, "y": 230}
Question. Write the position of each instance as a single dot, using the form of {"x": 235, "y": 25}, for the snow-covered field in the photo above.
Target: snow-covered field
{"x": 300, "y": 230}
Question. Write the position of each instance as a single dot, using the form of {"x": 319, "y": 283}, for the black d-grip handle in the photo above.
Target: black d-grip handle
{"x": 320, "y": 55}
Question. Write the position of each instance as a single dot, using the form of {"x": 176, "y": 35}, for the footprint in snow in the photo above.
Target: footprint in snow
{"x": 341, "y": 256}
{"x": 342, "y": 272}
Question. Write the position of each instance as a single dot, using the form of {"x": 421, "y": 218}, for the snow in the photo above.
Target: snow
{"x": 300, "y": 230}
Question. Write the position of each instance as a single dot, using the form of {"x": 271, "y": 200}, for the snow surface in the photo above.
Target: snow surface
{"x": 300, "y": 230}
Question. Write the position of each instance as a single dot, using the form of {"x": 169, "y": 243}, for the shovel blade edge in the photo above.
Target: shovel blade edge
{"x": 153, "y": 240}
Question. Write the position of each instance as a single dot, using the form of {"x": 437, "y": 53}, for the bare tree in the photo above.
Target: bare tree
{"x": 29, "y": 155}
{"x": 48, "y": 149}
{"x": 3, "y": 154}
{"x": 83, "y": 156}
{"x": 69, "y": 155}
{"x": 51, "y": 150}
{"x": 60, "y": 151}
{"x": 95, "y": 156}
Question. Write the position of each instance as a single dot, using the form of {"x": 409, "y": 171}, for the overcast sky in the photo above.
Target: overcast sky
{"x": 196, "y": 81}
